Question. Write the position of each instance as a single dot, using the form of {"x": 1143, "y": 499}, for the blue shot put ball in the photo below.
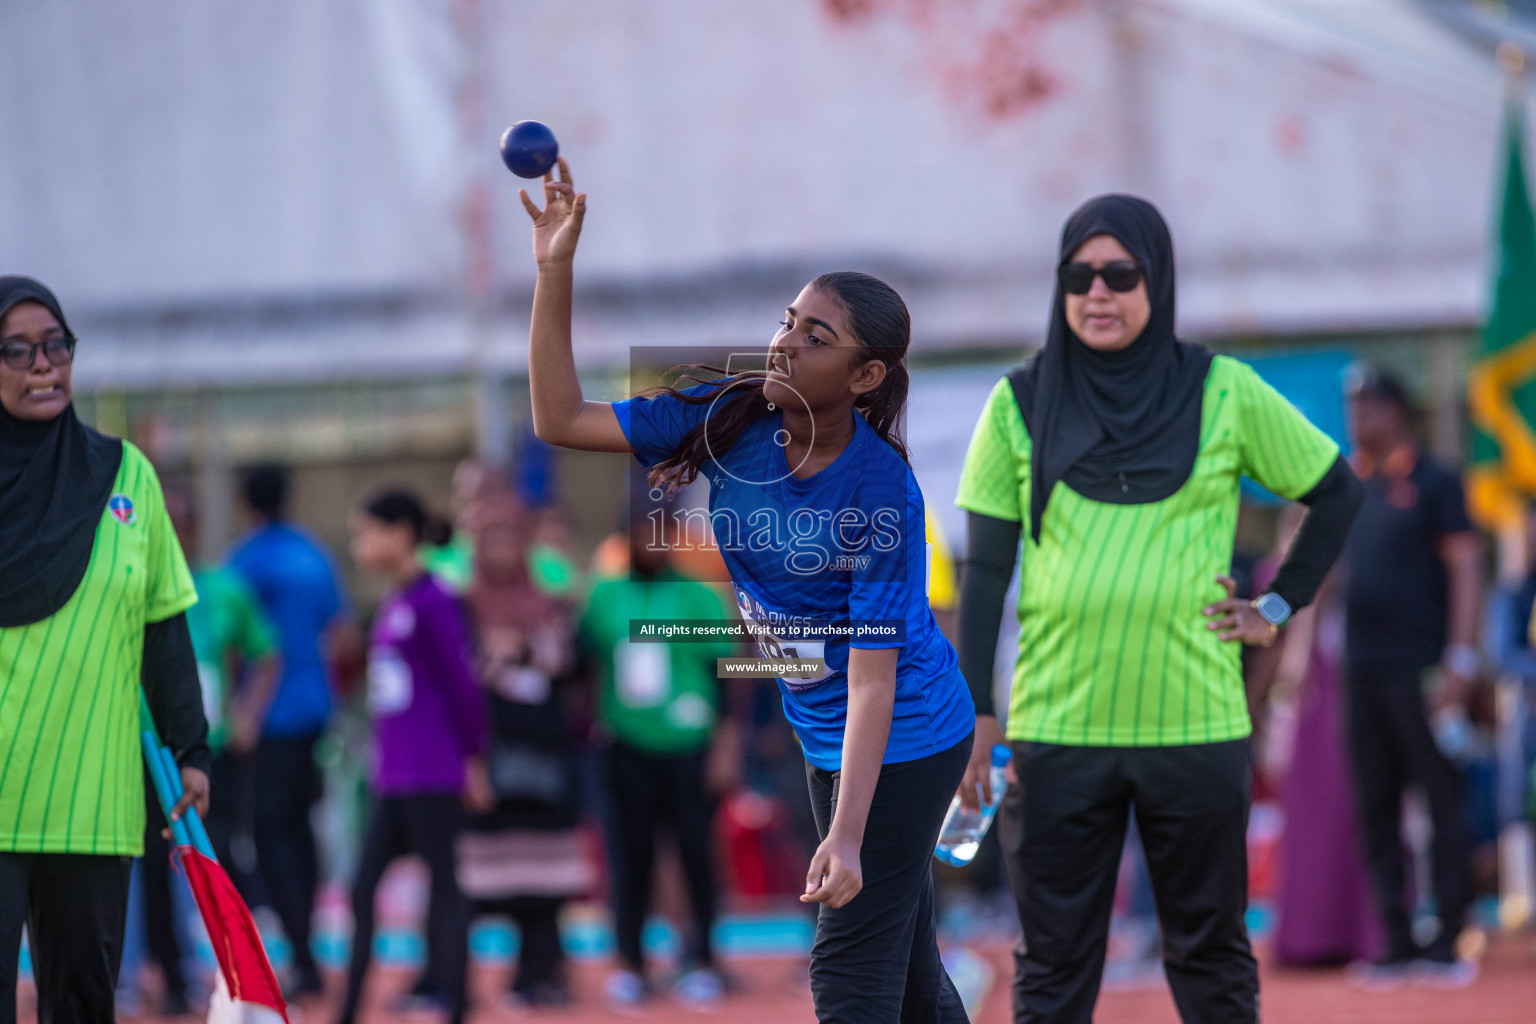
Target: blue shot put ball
{"x": 529, "y": 149}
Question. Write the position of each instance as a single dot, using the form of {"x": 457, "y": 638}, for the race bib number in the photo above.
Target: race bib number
{"x": 643, "y": 674}
{"x": 389, "y": 683}
{"x": 691, "y": 711}
{"x": 522, "y": 685}
{"x": 771, "y": 645}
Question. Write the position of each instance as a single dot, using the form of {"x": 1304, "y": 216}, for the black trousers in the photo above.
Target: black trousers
{"x": 649, "y": 791}
{"x": 286, "y": 785}
{"x": 877, "y": 958}
{"x": 541, "y": 958}
{"x": 1392, "y": 747}
{"x": 426, "y": 825}
{"x": 75, "y": 907}
{"x": 1062, "y": 830}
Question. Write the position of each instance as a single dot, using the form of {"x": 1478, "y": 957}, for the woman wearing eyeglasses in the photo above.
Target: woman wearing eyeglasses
{"x": 93, "y": 591}
{"x": 1116, "y": 453}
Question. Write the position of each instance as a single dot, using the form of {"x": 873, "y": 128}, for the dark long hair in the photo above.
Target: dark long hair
{"x": 881, "y": 325}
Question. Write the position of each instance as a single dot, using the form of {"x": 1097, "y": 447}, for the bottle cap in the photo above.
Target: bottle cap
{"x": 1001, "y": 755}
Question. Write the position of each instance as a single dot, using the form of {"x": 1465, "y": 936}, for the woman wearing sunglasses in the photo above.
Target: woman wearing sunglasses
{"x": 93, "y": 591}
{"x": 1116, "y": 453}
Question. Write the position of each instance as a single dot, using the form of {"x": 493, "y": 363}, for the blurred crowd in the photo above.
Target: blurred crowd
{"x": 522, "y": 746}
{"x": 515, "y": 740}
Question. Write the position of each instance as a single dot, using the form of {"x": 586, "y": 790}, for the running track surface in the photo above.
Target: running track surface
{"x": 774, "y": 989}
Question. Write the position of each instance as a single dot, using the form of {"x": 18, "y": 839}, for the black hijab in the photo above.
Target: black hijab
{"x": 1117, "y": 427}
{"x": 55, "y": 479}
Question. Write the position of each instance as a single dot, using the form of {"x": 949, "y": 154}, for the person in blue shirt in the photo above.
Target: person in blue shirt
{"x": 820, "y": 522}
{"x": 295, "y": 581}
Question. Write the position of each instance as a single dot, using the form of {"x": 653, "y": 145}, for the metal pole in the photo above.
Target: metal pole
{"x": 493, "y": 428}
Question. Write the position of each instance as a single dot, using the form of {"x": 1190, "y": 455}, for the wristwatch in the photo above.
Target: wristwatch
{"x": 1275, "y": 609}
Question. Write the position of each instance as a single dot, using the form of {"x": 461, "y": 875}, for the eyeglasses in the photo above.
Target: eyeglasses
{"x": 59, "y": 350}
{"x": 1118, "y": 275}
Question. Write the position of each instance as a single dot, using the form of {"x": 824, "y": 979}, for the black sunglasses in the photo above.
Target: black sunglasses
{"x": 1118, "y": 275}
{"x": 59, "y": 350}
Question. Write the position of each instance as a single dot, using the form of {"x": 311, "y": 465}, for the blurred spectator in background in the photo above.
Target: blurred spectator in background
{"x": 448, "y": 548}
{"x": 658, "y": 706}
{"x": 524, "y": 857}
{"x": 231, "y": 639}
{"x": 1326, "y": 914}
{"x": 296, "y": 583}
{"x": 1411, "y": 604}
{"x": 428, "y": 740}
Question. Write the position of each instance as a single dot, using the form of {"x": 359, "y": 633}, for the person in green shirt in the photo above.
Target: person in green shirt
{"x": 231, "y": 638}
{"x": 1116, "y": 453}
{"x": 658, "y": 704}
{"x": 93, "y": 596}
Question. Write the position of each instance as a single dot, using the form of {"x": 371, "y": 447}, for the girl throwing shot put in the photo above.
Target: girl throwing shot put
{"x": 820, "y": 522}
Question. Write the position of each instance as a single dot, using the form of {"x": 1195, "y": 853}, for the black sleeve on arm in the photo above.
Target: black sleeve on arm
{"x": 991, "y": 549}
{"x": 174, "y": 692}
{"x": 1331, "y": 509}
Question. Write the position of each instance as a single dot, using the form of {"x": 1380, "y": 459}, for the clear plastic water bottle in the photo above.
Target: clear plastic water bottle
{"x": 963, "y": 828}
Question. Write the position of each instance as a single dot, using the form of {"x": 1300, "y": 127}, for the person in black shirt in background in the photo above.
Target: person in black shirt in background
{"x": 1415, "y": 576}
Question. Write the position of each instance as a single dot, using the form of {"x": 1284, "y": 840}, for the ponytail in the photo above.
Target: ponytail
{"x": 883, "y": 407}
{"x": 718, "y": 434}
{"x": 884, "y": 330}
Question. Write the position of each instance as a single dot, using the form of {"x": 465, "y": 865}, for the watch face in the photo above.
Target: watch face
{"x": 1274, "y": 608}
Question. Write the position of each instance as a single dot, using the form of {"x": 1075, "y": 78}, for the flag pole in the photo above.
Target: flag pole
{"x": 1516, "y": 843}
{"x": 247, "y": 991}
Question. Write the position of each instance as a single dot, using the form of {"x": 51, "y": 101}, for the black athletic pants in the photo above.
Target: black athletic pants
{"x": 1391, "y": 747}
{"x": 426, "y": 825}
{"x": 75, "y": 907}
{"x": 1062, "y": 830}
{"x": 649, "y": 791}
{"x": 877, "y": 958}
{"x": 286, "y": 785}
{"x": 540, "y": 958}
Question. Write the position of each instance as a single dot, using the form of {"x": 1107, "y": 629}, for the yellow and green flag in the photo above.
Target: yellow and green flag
{"x": 1502, "y": 384}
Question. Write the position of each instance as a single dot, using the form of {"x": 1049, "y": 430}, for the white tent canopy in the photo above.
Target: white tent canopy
{"x": 274, "y": 190}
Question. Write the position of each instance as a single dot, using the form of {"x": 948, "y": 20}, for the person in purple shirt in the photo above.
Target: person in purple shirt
{"x": 429, "y": 732}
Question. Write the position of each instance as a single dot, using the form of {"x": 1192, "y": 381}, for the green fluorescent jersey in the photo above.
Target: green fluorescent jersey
{"x": 70, "y": 775}
{"x": 1113, "y": 645}
{"x": 659, "y": 697}
{"x": 227, "y": 622}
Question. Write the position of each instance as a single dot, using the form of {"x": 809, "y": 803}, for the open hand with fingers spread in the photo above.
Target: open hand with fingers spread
{"x": 1238, "y": 619}
{"x": 556, "y": 227}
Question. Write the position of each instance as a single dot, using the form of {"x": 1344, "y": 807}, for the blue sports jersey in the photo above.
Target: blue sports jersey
{"x": 296, "y": 584}
{"x": 845, "y": 550}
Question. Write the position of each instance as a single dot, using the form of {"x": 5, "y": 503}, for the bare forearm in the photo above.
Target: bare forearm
{"x": 871, "y": 699}
{"x": 261, "y": 688}
{"x": 551, "y": 366}
{"x": 1462, "y": 554}
{"x": 1466, "y": 585}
